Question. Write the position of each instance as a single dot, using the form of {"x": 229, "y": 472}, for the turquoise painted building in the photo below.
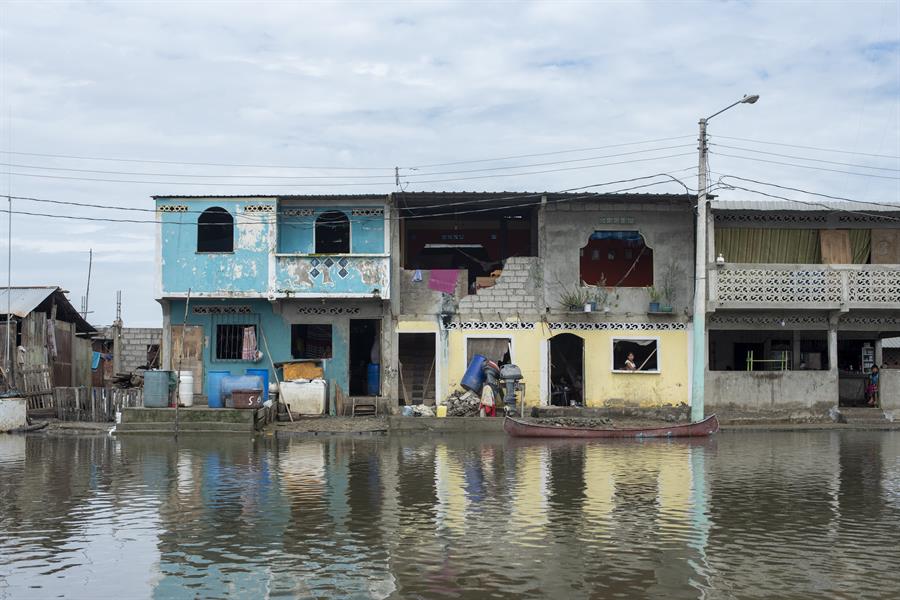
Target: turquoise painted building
{"x": 250, "y": 281}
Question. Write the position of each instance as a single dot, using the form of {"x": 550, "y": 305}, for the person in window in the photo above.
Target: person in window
{"x": 872, "y": 387}
{"x": 629, "y": 362}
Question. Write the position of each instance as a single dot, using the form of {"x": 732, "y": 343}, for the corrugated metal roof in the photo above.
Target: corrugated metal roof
{"x": 23, "y": 300}
{"x": 890, "y": 342}
{"x": 815, "y": 205}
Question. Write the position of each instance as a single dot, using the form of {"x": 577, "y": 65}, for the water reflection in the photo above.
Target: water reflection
{"x": 753, "y": 515}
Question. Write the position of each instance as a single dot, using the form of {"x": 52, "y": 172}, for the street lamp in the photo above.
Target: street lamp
{"x": 698, "y": 365}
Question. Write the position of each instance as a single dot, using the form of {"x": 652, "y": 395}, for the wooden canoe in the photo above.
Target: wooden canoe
{"x": 519, "y": 428}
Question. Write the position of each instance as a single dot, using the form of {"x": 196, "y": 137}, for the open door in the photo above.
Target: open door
{"x": 418, "y": 376}
{"x": 365, "y": 357}
{"x": 190, "y": 358}
{"x": 566, "y": 370}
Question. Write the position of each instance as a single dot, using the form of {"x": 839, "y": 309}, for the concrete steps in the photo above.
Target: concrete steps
{"x": 863, "y": 415}
{"x": 190, "y": 420}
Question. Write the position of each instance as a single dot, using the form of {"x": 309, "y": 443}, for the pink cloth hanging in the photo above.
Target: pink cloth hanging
{"x": 443, "y": 280}
{"x": 248, "y": 348}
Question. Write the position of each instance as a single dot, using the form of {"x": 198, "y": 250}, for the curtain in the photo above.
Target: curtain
{"x": 491, "y": 348}
{"x": 860, "y": 245}
{"x": 248, "y": 345}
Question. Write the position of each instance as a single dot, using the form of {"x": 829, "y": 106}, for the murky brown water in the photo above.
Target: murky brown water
{"x": 788, "y": 515}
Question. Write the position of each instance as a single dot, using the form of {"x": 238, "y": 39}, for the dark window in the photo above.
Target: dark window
{"x": 311, "y": 341}
{"x": 333, "y": 233}
{"x": 215, "y": 231}
{"x": 153, "y": 356}
{"x": 617, "y": 259}
{"x": 232, "y": 343}
{"x": 635, "y": 355}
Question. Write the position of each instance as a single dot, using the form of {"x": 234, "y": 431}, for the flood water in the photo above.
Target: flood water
{"x": 754, "y": 515}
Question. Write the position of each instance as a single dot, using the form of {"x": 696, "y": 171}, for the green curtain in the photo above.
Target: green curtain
{"x": 769, "y": 245}
{"x": 860, "y": 245}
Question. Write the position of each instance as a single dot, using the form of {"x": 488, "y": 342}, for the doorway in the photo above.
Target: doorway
{"x": 418, "y": 376}
{"x": 365, "y": 357}
{"x": 855, "y": 355}
{"x": 566, "y": 370}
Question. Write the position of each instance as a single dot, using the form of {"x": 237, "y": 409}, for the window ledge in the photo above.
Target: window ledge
{"x": 636, "y": 372}
{"x": 214, "y": 252}
{"x": 319, "y": 255}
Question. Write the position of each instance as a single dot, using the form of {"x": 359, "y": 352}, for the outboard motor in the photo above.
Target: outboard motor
{"x": 511, "y": 377}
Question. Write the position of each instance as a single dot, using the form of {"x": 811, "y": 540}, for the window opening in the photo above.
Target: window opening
{"x": 215, "y": 231}
{"x": 617, "y": 258}
{"x": 153, "y": 356}
{"x": 332, "y": 233}
{"x": 635, "y": 355}
{"x": 236, "y": 342}
{"x": 749, "y": 350}
{"x": 495, "y": 349}
{"x": 311, "y": 341}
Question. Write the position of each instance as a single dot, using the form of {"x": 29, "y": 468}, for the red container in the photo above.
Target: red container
{"x": 244, "y": 399}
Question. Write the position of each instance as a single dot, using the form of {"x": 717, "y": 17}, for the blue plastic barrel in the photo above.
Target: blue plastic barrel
{"x": 264, "y": 373}
{"x": 240, "y": 382}
{"x": 214, "y": 388}
{"x": 156, "y": 388}
{"x": 473, "y": 378}
{"x": 374, "y": 379}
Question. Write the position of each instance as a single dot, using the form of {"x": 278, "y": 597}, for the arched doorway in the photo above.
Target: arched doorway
{"x": 566, "y": 370}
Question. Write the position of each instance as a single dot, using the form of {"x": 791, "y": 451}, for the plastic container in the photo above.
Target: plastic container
{"x": 214, "y": 388}
{"x": 244, "y": 399}
{"x": 264, "y": 373}
{"x": 156, "y": 388}
{"x": 186, "y": 388}
{"x": 473, "y": 378}
{"x": 240, "y": 382}
{"x": 442, "y": 411}
{"x": 304, "y": 397}
{"x": 374, "y": 379}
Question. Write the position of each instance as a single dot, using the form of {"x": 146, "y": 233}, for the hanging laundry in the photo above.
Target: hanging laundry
{"x": 248, "y": 348}
{"x": 95, "y": 360}
{"x": 443, "y": 280}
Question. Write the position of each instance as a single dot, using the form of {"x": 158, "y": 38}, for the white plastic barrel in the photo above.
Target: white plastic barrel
{"x": 304, "y": 397}
{"x": 186, "y": 388}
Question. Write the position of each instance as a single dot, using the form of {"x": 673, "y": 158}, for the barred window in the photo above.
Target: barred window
{"x": 236, "y": 342}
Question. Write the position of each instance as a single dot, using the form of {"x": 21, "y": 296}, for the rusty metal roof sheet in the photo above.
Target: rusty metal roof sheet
{"x": 23, "y": 300}
{"x": 890, "y": 342}
{"x": 811, "y": 204}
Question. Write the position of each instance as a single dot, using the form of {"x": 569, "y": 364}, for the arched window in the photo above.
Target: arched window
{"x": 617, "y": 259}
{"x": 332, "y": 233}
{"x": 215, "y": 231}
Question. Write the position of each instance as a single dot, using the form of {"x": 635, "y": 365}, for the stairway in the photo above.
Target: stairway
{"x": 190, "y": 420}
{"x": 863, "y": 415}
{"x": 418, "y": 376}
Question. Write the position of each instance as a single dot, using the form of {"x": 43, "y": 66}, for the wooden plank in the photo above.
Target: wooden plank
{"x": 885, "y": 246}
{"x": 835, "y": 244}
{"x": 191, "y": 359}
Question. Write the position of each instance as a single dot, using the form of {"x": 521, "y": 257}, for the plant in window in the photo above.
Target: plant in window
{"x": 572, "y": 299}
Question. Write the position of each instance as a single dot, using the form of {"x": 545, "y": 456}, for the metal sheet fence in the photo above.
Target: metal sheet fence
{"x": 94, "y": 404}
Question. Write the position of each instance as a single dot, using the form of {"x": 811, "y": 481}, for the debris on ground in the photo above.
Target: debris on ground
{"x": 593, "y": 422}
{"x": 462, "y": 403}
{"x": 422, "y": 410}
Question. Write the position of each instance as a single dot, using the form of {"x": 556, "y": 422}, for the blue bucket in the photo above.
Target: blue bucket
{"x": 264, "y": 373}
{"x": 473, "y": 379}
{"x": 214, "y": 388}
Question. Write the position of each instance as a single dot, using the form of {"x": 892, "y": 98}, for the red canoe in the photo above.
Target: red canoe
{"x": 518, "y": 428}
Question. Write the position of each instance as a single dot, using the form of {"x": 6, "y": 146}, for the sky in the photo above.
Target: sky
{"x": 356, "y": 89}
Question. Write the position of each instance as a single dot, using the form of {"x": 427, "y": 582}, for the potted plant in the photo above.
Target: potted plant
{"x": 671, "y": 276}
{"x": 655, "y": 295}
{"x": 574, "y": 299}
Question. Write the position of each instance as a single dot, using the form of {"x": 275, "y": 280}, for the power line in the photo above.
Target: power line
{"x": 819, "y": 160}
{"x": 347, "y": 184}
{"x": 776, "y": 162}
{"x": 823, "y": 205}
{"x": 802, "y": 191}
{"x": 329, "y": 177}
{"x": 725, "y": 137}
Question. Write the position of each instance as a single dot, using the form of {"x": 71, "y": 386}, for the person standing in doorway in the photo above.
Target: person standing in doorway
{"x": 872, "y": 387}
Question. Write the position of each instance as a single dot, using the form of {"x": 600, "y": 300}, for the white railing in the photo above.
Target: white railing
{"x": 804, "y": 286}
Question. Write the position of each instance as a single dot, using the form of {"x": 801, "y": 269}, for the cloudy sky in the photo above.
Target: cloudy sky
{"x": 346, "y": 86}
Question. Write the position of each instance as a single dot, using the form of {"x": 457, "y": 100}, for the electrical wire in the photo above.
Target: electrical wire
{"x": 725, "y": 137}
{"x": 802, "y": 191}
{"x": 820, "y": 204}
{"x": 776, "y": 162}
{"x": 830, "y": 162}
{"x": 348, "y": 184}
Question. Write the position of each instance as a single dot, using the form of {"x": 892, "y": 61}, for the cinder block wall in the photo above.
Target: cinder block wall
{"x": 135, "y": 341}
{"x": 516, "y": 290}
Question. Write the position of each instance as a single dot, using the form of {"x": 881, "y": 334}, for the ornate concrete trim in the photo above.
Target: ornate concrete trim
{"x": 172, "y": 208}
{"x": 619, "y": 326}
{"x": 298, "y": 212}
{"x": 235, "y": 309}
{"x": 476, "y": 325}
{"x": 328, "y": 310}
{"x": 259, "y": 208}
{"x": 367, "y": 212}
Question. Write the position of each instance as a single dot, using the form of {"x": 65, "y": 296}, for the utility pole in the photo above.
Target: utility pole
{"x": 117, "y": 335}
{"x": 87, "y": 292}
{"x": 698, "y": 363}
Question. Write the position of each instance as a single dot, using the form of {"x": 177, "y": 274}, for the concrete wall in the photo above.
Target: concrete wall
{"x": 771, "y": 394}
{"x": 890, "y": 389}
{"x": 668, "y": 229}
{"x": 516, "y": 292}
{"x": 133, "y": 345}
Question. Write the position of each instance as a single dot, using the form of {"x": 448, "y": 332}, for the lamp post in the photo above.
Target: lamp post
{"x": 698, "y": 374}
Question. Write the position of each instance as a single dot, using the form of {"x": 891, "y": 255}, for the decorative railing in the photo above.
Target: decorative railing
{"x": 804, "y": 286}
{"x": 332, "y": 276}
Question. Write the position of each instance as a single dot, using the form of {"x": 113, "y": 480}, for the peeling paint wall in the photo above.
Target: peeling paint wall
{"x": 296, "y": 232}
{"x": 332, "y": 274}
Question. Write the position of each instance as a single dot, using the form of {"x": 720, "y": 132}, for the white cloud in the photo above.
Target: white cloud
{"x": 415, "y": 83}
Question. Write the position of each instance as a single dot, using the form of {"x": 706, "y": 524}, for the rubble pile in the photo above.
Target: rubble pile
{"x": 462, "y": 403}
{"x": 593, "y": 422}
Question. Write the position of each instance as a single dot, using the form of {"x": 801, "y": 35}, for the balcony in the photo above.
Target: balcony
{"x": 828, "y": 287}
{"x": 340, "y": 276}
